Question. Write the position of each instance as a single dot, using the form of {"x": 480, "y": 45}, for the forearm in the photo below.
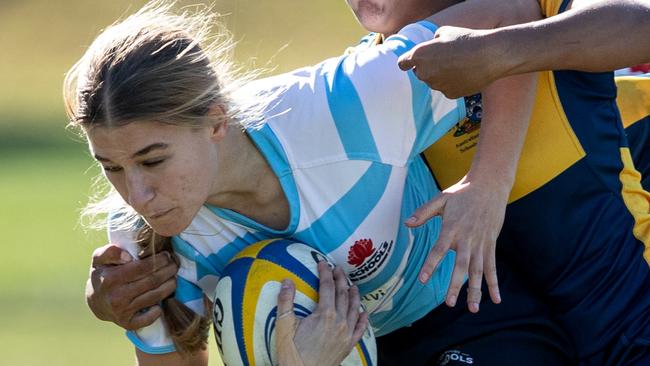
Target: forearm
{"x": 602, "y": 36}
{"x": 487, "y": 14}
{"x": 172, "y": 359}
{"x": 507, "y": 106}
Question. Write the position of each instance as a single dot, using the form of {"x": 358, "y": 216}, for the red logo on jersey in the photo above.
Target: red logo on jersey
{"x": 361, "y": 250}
{"x": 644, "y": 68}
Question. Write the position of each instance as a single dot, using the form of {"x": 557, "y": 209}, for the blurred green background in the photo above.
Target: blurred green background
{"x": 45, "y": 172}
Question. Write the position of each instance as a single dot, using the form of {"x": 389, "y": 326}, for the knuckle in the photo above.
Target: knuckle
{"x": 113, "y": 301}
{"x": 342, "y": 328}
{"x": 151, "y": 282}
{"x": 329, "y": 315}
{"x": 342, "y": 293}
{"x": 285, "y": 295}
{"x": 454, "y": 287}
{"x": 462, "y": 259}
{"x": 491, "y": 269}
{"x": 476, "y": 271}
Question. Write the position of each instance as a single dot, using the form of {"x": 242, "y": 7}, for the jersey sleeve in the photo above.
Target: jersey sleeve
{"x": 155, "y": 338}
{"x": 381, "y": 112}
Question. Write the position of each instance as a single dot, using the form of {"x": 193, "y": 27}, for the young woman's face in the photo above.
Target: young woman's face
{"x": 165, "y": 172}
{"x": 389, "y": 16}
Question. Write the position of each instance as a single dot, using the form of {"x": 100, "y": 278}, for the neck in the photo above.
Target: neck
{"x": 249, "y": 185}
{"x": 242, "y": 171}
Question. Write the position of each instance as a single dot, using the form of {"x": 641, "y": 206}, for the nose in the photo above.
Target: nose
{"x": 139, "y": 192}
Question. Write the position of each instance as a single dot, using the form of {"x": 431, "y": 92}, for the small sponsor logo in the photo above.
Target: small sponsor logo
{"x": 366, "y": 259}
{"x": 455, "y": 357}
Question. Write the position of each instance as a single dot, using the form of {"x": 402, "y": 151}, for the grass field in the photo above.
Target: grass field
{"x": 45, "y": 176}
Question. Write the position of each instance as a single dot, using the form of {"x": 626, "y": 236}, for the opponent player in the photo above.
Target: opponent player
{"x": 578, "y": 221}
{"x": 182, "y": 179}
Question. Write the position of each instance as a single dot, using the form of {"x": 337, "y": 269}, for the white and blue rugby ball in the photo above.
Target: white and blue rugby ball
{"x": 245, "y": 305}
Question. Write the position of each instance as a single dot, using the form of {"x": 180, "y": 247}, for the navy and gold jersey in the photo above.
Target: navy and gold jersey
{"x": 577, "y": 227}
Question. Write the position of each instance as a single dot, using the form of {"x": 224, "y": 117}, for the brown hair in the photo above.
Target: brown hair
{"x": 158, "y": 66}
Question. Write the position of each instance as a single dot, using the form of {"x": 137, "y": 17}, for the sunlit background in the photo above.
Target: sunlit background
{"x": 45, "y": 171}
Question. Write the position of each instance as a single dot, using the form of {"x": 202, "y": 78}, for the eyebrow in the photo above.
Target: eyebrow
{"x": 144, "y": 151}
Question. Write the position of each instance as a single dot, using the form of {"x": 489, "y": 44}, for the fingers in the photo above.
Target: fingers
{"x": 342, "y": 288}
{"x": 140, "y": 269}
{"x": 437, "y": 253}
{"x": 405, "y": 62}
{"x": 326, "y": 291}
{"x": 490, "y": 268}
{"x": 353, "y": 307}
{"x": 474, "y": 283}
{"x": 110, "y": 254}
{"x": 151, "y": 281}
{"x": 153, "y": 296}
{"x": 360, "y": 327}
{"x": 286, "y": 323}
{"x": 143, "y": 318}
{"x": 285, "y": 300}
{"x": 435, "y": 207}
{"x": 457, "y": 277}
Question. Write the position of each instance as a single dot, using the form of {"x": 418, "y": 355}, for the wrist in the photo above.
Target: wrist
{"x": 496, "y": 180}
{"x": 505, "y": 58}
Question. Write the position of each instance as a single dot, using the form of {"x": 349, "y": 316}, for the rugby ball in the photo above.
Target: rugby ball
{"x": 245, "y": 305}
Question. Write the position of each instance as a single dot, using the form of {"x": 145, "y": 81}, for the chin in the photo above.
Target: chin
{"x": 169, "y": 228}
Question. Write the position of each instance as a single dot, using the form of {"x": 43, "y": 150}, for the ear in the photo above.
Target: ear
{"x": 218, "y": 121}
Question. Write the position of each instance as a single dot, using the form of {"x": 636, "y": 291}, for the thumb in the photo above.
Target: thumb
{"x": 285, "y": 321}
{"x": 435, "y": 207}
{"x": 406, "y": 62}
{"x": 285, "y": 326}
{"x": 110, "y": 254}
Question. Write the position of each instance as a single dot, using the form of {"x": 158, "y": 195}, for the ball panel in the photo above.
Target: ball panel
{"x": 246, "y": 302}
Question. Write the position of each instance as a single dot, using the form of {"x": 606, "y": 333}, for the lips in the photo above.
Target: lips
{"x": 160, "y": 214}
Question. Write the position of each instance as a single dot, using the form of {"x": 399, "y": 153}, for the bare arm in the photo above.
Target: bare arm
{"x": 172, "y": 359}
{"x": 590, "y": 36}
{"x": 507, "y": 105}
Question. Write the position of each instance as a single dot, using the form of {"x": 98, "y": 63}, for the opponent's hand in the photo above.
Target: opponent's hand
{"x": 472, "y": 217}
{"x": 456, "y": 61}
{"x": 127, "y": 292}
{"x": 330, "y": 333}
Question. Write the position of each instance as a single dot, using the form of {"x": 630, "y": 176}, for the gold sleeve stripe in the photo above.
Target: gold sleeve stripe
{"x": 633, "y": 98}
{"x": 637, "y": 201}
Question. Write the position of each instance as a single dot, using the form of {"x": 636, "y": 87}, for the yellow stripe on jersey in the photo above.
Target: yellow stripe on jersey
{"x": 633, "y": 98}
{"x": 551, "y": 146}
{"x": 637, "y": 201}
{"x": 451, "y": 156}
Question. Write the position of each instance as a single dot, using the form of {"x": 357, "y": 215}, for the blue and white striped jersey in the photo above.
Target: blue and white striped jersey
{"x": 344, "y": 139}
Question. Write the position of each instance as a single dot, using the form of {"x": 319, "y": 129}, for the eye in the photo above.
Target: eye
{"x": 152, "y": 163}
{"x": 111, "y": 169}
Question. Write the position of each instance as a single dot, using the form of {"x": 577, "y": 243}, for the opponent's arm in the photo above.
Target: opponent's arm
{"x": 590, "y": 36}
{"x": 172, "y": 359}
{"x": 127, "y": 292}
{"x": 473, "y": 209}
